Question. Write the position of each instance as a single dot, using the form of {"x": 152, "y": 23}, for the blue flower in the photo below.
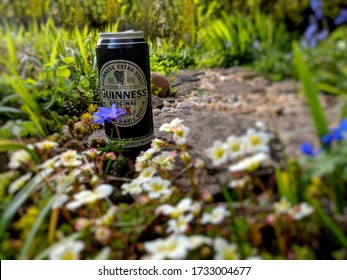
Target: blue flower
{"x": 341, "y": 17}
{"x": 312, "y": 34}
{"x": 307, "y": 149}
{"x": 343, "y": 125}
{"x": 110, "y": 115}
{"x": 316, "y": 6}
{"x": 327, "y": 140}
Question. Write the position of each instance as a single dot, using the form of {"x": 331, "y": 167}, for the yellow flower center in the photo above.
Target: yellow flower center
{"x": 229, "y": 254}
{"x": 157, "y": 187}
{"x": 255, "y": 140}
{"x": 235, "y": 147}
{"x": 219, "y": 153}
{"x": 69, "y": 255}
{"x": 167, "y": 247}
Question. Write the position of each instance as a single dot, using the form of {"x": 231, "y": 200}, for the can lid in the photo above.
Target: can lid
{"x": 129, "y": 34}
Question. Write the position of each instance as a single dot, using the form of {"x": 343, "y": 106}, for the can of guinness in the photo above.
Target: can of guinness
{"x": 124, "y": 76}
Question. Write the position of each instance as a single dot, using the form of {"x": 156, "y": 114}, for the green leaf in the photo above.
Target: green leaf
{"x": 68, "y": 60}
{"x": 7, "y": 145}
{"x": 6, "y": 109}
{"x": 63, "y": 72}
{"x": 310, "y": 93}
{"x": 328, "y": 222}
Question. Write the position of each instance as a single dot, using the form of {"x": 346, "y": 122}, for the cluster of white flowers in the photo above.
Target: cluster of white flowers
{"x": 90, "y": 196}
{"x": 155, "y": 186}
{"x": 297, "y": 212}
{"x": 152, "y": 158}
{"x": 177, "y": 246}
{"x": 181, "y": 214}
{"x": 245, "y": 153}
{"x": 216, "y": 217}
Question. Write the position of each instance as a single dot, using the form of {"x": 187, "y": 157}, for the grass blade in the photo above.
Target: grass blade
{"x": 335, "y": 230}
{"x": 43, "y": 213}
{"x": 18, "y": 201}
{"x": 310, "y": 93}
{"x": 6, "y": 145}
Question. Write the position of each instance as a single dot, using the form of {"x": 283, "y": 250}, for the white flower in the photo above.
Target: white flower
{"x": 218, "y": 153}
{"x": 283, "y": 206}
{"x": 172, "y": 126}
{"x": 256, "y": 141}
{"x": 70, "y": 158}
{"x": 199, "y": 164}
{"x": 59, "y": 201}
{"x": 175, "y": 211}
{"x": 180, "y": 134}
{"x": 250, "y": 163}
{"x": 88, "y": 168}
{"x": 46, "y": 145}
{"x": 165, "y": 160}
{"x": 18, "y": 158}
{"x": 134, "y": 187}
{"x": 236, "y": 147}
{"x": 195, "y": 241}
{"x": 92, "y": 153}
{"x": 48, "y": 164}
{"x": 196, "y": 208}
{"x": 301, "y": 211}
{"x": 157, "y": 144}
{"x": 179, "y": 225}
{"x": 165, "y": 127}
{"x": 108, "y": 218}
{"x": 216, "y": 216}
{"x": 142, "y": 159}
{"x": 67, "y": 251}
{"x": 19, "y": 183}
{"x": 147, "y": 155}
{"x": 239, "y": 183}
{"x": 104, "y": 254}
{"x": 341, "y": 45}
{"x": 147, "y": 174}
{"x": 62, "y": 178}
{"x": 88, "y": 196}
{"x": 157, "y": 187}
{"x": 172, "y": 247}
{"x": 225, "y": 250}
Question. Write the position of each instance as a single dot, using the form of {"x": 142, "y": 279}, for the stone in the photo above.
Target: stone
{"x": 165, "y": 109}
{"x": 156, "y": 111}
{"x": 157, "y": 102}
{"x": 160, "y": 85}
{"x": 167, "y": 104}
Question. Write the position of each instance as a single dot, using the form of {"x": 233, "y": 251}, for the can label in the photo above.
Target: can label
{"x": 124, "y": 84}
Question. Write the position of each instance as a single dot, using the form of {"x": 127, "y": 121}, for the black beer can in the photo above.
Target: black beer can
{"x": 124, "y": 76}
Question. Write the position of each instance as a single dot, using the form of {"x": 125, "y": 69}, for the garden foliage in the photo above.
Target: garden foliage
{"x": 63, "y": 198}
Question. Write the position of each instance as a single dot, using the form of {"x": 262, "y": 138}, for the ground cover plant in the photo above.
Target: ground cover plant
{"x": 64, "y": 197}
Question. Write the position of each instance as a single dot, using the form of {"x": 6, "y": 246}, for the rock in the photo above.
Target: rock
{"x": 167, "y": 104}
{"x": 165, "y": 109}
{"x": 157, "y": 102}
{"x": 183, "y": 106}
{"x": 156, "y": 112}
{"x": 160, "y": 85}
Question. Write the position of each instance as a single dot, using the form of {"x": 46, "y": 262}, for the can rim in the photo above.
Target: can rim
{"x": 129, "y": 34}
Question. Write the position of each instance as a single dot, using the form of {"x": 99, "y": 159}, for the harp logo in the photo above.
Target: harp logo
{"x": 119, "y": 77}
